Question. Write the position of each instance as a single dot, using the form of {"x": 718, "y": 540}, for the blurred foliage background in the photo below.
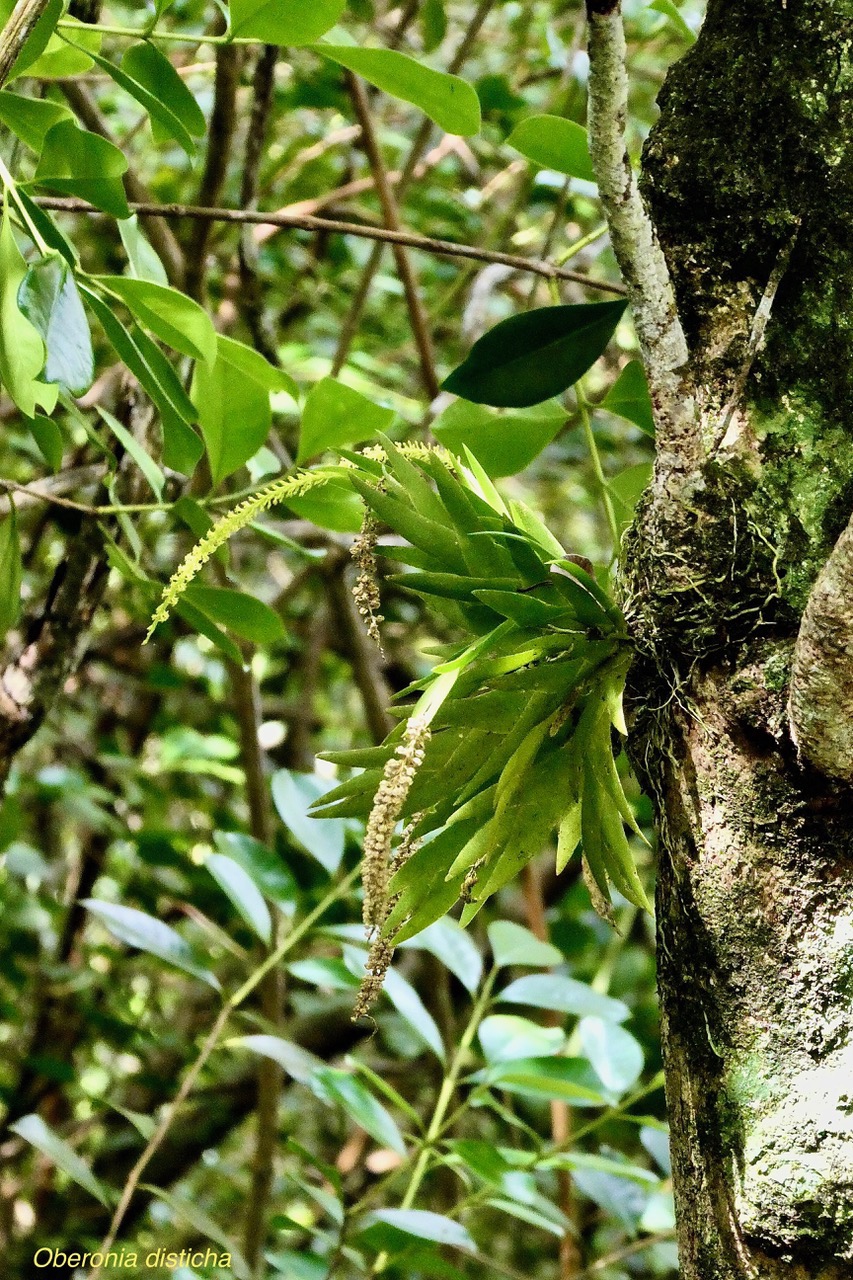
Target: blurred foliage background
{"x": 503, "y": 1114}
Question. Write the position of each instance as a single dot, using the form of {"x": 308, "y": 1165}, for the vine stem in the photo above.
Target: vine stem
{"x": 213, "y": 1036}
{"x": 604, "y": 493}
{"x": 445, "y": 1097}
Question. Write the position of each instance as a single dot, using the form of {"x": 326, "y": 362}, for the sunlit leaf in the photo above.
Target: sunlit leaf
{"x": 446, "y": 99}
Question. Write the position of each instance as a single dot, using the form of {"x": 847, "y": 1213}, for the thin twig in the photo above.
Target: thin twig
{"x": 443, "y": 248}
{"x": 417, "y": 315}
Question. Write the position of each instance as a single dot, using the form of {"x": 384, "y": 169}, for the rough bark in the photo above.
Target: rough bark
{"x": 755, "y": 900}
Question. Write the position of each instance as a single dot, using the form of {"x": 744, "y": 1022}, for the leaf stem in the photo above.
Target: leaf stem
{"x": 595, "y": 457}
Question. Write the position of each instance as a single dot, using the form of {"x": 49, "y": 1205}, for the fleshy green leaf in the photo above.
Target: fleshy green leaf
{"x": 77, "y": 163}
{"x": 503, "y": 442}
{"x": 140, "y": 930}
{"x": 553, "y": 142}
{"x": 34, "y": 1130}
{"x": 238, "y": 885}
{"x": 233, "y": 399}
{"x": 22, "y": 352}
{"x": 336, "y": 415}
{"x": 534, "y": 356}
{"x": 446, "y": 99}
{"x": 49, "y": 298}
{"x": 173, "y": 317}
{"x": 287, "y": 22}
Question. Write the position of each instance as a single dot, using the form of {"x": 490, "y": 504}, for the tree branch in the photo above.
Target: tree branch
{"x": 16, "y": 33}
{"x": 303, "y": 222}
{"x": 635, "y": 244}
{"x": 820, "y": 706}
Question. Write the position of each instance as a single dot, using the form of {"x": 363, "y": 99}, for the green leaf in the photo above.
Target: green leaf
{"x": 293, "y": 794}
{"x": 612, "y": 1052}
{"x": 288, "y": 22}
{"x": 505, "y": 1037}
{"x": 34, "y": 1130}
{"x": 433, "y": 23}
{"x": 504, "y": 443}
{"x": 266, "y": 868}
{"x": 143, "y": 460}
{"x": 336, "y": 415}
{"x": 554, "y": 143}
{"x": 426, "y": 1226}
{"x": 296, "y": 1061}
{"x": 143, "y": 261}
{"x": 326, "y": 972}
{"x": 173, "y": 317}
{"x": 452, "y": 945}
{"x": 629, "y": 398}
{"x": 140, "y": 930}
{"x": 546, "y": 1078}
{"x": 30, "y": 119}
{"x": 155, "y": 103}
{"x": 11, "y": 572}
{"x": 233, "y": 399}
{"x": 22, "y": 352}
{"x": 672, "y": 12}
{"x": 336, "y": 1086}
{"x": 57, "y": 58}
{"x": 204, "y": 1225}
{"x": 512, "y": 944}
{"x": 627, "y": 488}
{"x": 446, "y": 99}
{"x": 49, "y": 298}
{"x": 146, "y": 65}
{"x": 77, "y": 163}
{"x": 239, "y": 612}
{"x": 49, "y": 439}
{"x": 238, "y": 885}
{"x": 564, "y": 995}
{"x": 405, "y": 1000}
{"x": 534, "y": 356}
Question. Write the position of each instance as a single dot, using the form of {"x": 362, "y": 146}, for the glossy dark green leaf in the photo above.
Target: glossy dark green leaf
{"x": 446, "y": 99}
{"x": 237, "y": 884}
{"x": 629, "y": 397}
{"x": 531, "y": 357}
{"x": 335, "y": 415}
{"x": 74, "y": 162}
{"x": 286, "y": 22}
{"x": 266, "y": 867}
{"x": 503, "y": 442}
{"x": 151, "y": 69}
{"x": 334, "y": 1085}
{"x": 156, "y": 103}
{"x": 425, "y": 1225}
{"x": 49, "y": 298}
{"x": 332, "y": 506}
{"x": 553, "y": 142}
{"x": 239, "y": 612}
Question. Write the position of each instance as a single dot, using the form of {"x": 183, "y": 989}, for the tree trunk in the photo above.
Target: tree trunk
{"x": 749, "y": 179}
